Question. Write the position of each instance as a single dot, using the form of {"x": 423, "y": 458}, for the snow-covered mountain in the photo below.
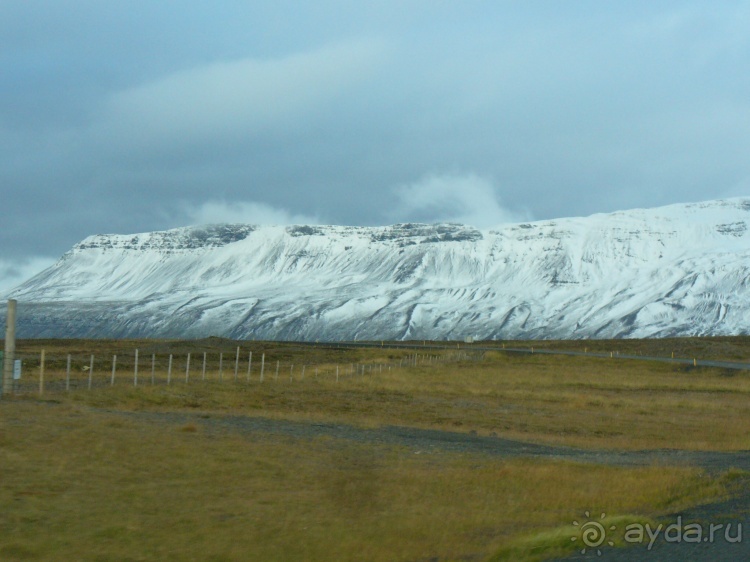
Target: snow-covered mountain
{"x": 676, "y": 270}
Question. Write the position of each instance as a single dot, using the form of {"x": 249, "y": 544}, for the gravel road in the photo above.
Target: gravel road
{"x": 430, "y": 439}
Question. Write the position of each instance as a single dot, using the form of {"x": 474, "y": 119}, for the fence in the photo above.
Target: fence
{"x": 65, "y": 372}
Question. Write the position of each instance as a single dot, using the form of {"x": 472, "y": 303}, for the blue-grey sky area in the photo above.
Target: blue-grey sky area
{"x": 121, "y": 117}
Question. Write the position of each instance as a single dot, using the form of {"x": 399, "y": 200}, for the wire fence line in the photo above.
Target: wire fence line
{"x": 482, "y": 347}
{"x": 65, "y": 372}
{"x": 57, "y": 372}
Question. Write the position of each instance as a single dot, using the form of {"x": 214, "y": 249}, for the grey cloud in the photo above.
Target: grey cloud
{"x": 129, "y": 117}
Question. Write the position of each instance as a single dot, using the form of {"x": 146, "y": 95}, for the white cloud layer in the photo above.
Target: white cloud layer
{"x": 216, "y": 212}
{"x": 15, "y": 272}
{"x": 466, "y": 199}
{"x": 236, "y": 99}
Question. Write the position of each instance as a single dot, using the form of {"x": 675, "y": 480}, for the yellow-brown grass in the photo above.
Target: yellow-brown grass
{"x": 86, "y": 484}
{"x": 579, "y": 401}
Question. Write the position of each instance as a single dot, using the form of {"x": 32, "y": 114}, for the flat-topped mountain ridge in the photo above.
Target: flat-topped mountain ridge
{"x": 669, "y": 271}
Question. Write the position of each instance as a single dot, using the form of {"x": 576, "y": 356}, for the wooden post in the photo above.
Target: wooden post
{"x": 6, "y": 382}
{"x": 135, "y": 370}
{"x": 237, "y": 364}
{"x": 91, "y": 371}
{"x": 67, "y": 374}
{"x": 277, "y": 371}
{"x": 221, "y": 366}
{"x": 249, "y": 365}
{"x": 41, "y": 374}
{"x": 169, "y": 370}
{"x": 262, "y": 365}
{"x": 204, "y": 366}
{"x": 337, "y": 373}
{"x": 114, "y": 368}
{"x": 291, "y": 373}
{"x": 153, "y": 369}
{"x": 187, "y": 369}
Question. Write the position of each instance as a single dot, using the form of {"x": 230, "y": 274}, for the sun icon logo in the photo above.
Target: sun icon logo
{"x": 593, "y": 533}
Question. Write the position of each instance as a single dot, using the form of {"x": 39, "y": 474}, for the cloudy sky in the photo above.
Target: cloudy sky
{"x": 121, "y": 117}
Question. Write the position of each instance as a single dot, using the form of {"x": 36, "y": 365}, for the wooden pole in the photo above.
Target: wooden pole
{"x": 41, "y": 374}
{"x": 204, "y": 366}
{"x": 249, "y": 365}
{"x": 91, "y": 370}
{"x": 114, "y": 368}
{"x": 187, "y": 369}
{"x": 67, "y": 374}
{"x": 237, "y": 364}
{"x": 221, "y": 366}
{"x": 291, "y": 373}
{"x": 277, "y": 371}
{"x": 153, "y": 369}
{"x": 135, "y": 370}
{"x": 6, "y": 383}
{"x": 169, "y": 370}
{"x": 262, "y": 365}
{"x": 337, "y": 373}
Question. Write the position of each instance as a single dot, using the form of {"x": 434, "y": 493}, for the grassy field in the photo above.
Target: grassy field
{"x": 720, "y": 348}
{"x": 89, "y": 475}
{"x": 579, "y": 401}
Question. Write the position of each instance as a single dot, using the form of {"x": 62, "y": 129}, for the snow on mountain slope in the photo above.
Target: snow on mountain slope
{"x": 676, "y": 270}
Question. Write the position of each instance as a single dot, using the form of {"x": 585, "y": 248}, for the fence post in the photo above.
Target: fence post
{"x": 41, "y": 374}
{"x": 135, "y": 369}
{"x": 262, "y": 365}
{"x": 303, "y": 372}
{"x": 187, "y": 369}
{"x": 153, "y": 369}
{"x": 291, "y": 373}
{"x": 221, "y": 366}
{"x": 237, "y": 364}
{"x": 337, "y": 373}
{"x": 169, "y": 370}
{"x": 249, "y": 365}
{"x": 6, "y": 382}
{"x": 277, "y": 371}
{"x": 91, "y": 370}
{"x": 67, "y": 374}
{"x": 114, "y": 368}
{"x": 204, "y": 366}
